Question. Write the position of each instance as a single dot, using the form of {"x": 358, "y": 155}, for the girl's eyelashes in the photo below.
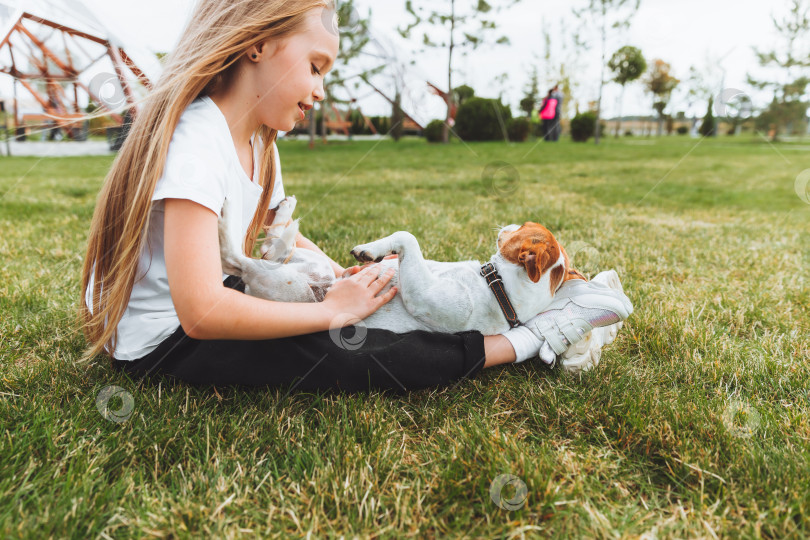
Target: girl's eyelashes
{"x": 315, "y": 69}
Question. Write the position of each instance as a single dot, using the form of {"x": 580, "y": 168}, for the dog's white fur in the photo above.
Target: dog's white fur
{"x": 434, "y": 296}
{"x": 304, "y": 278}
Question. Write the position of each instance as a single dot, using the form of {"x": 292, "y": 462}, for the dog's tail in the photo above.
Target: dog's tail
{"x": 234, "y": 260}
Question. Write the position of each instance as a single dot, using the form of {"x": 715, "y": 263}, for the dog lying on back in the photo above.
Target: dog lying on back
{"x": 435, "y": 296}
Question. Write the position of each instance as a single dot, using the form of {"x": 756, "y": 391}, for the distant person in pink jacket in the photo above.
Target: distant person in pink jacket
{"x": 548, "y": 116}
{"x": 557, "y": 127}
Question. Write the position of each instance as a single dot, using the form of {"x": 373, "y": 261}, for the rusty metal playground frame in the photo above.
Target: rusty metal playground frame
{"x": 58, "y": 78}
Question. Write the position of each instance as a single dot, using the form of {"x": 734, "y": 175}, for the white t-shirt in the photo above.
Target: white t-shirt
{"x": 202, "y": 166}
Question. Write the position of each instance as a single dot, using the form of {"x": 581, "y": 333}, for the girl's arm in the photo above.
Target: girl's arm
{"x": 208, "y": 310}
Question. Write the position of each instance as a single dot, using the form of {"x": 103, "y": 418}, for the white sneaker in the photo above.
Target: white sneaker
{"x": 578, "y": 308}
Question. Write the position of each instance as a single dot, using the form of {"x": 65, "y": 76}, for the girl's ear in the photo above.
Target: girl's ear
{"x": 256, "y": 52}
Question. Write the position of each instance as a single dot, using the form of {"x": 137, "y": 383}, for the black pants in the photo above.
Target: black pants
{"x": 353, "y": 359}
{"x": 547, "y": 127}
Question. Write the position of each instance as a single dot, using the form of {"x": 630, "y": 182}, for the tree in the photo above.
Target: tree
{"x": 463, "y": 26}
{"x": 788, "y": 114}
{"x": 530, "y": 100}
{"x": 607, "y": 16}
{"x": 735, "y": 108}
{"x": 384, "y": 52}
{"x": 561, "y": 58}
{"x": 627, "y": 65}
{"x": 709, "y": 127}
{"x": 661, "y": 84}
{"x": 701, "y": 84}
{"x": 397, "y": 118}
{"x": 354, "y": 37}
{"x": 788, "y": 107}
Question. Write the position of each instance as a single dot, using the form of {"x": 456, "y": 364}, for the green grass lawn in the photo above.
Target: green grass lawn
{"x": 695, "y": 424}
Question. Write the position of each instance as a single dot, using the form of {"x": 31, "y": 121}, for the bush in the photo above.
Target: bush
{"x": 477, "y": 119}
{"x": 583, "y": 126}
{"x": 358, "y": 124}
{"x": 433, "y": 131}
{"x": 628, "y": 133}
{"x": 463, "y": 93}
{"x": 518, "y": 129}
{"x": 381, "y": 123}
{"x": 537, "y": 126}
{"x": 683, "y": 130}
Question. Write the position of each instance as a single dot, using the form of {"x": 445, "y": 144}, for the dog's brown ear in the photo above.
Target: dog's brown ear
{"x": 557, "y": 275}
{"x": 536, "y": 258}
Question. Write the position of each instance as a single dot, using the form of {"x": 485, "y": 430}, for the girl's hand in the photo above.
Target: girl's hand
{"x": 355, "y": 297}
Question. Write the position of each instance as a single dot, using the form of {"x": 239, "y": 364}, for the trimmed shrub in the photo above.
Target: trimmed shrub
{"x": 583, "y": 126}
{"x": 463, "y": 93}
{"x": 518, "y": 129}
{"x": 683, "y": 130}
{"x": 433, "y": 131}
{"x": 477, "y": 119}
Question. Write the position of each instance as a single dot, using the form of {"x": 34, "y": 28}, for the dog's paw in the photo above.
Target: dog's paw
{"x": 287, "y": 201}
{"x": 363, "y": 255}
{"x": 286, "y": 206}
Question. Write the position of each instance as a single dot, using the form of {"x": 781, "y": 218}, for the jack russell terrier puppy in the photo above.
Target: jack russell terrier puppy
{"x": 517, "y": 283}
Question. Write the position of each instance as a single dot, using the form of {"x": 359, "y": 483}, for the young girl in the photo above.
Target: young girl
{"x": 154, "y": 297}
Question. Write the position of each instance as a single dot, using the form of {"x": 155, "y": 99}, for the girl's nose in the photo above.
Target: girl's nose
{"x": 318, "y": 93}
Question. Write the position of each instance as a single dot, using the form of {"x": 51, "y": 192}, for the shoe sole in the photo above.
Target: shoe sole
{"x": 607, "y": 297}
{"x": 580, "y": 358}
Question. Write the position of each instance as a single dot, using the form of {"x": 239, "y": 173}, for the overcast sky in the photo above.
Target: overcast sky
{"x": 714, "y": 35}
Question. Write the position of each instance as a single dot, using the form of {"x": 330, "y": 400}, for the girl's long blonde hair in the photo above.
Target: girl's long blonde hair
{"x": 218, "y": 34}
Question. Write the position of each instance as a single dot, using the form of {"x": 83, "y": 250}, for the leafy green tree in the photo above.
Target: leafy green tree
{"x": 464, "y": 25}
{"x": 788, "y": 114}
{"x": 788, "y": 109}
{"x": 627, "y": 65}
{"x": 608, "y": 17}
{"x": 661, "y": 83}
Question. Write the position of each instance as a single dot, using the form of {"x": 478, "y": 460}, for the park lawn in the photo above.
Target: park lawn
{"x": 695, "y": 424}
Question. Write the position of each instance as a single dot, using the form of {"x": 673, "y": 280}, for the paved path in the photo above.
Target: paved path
{"x": 100, "y": 148}
{"x": 56, "y": 149}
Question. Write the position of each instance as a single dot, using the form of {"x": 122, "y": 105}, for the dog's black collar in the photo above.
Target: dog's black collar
{"x": 496, "y": 284}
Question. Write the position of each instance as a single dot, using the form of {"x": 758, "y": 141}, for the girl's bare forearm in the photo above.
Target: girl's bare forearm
{"x": 230, "y": 314}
